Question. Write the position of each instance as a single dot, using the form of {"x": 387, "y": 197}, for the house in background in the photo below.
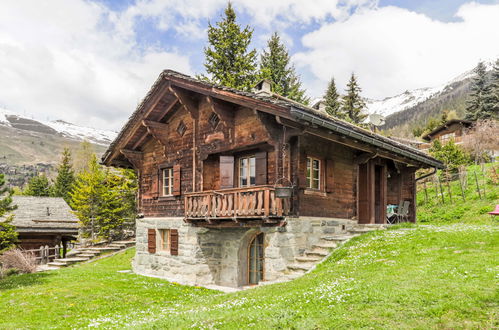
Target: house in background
{"x": 44, "y": 221}
{"x": 216, "y": 167}
{"x": 454, "y": 129}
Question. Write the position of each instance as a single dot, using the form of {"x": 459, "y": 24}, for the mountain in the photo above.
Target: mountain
{"x": 414, "y": 108}
{"x": 25, "y": 141}
{"x": 57, "y": 127}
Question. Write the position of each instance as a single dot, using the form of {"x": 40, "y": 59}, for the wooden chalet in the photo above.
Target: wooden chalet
{"x": 454, "y": 129}
{"x": 43, "y": 221}
{"x": 216, "y": 158}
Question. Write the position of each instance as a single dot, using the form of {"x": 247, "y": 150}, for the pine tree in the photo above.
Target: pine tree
{"x": 83, "y": 156}
{"x": 332, "y": 101}
{"x": 65, "y": 177}
{"x": 492, "y": 98}
{"x": 38, "y": 186}
{"x": 86, "y": 197}
{"x": 476, "y": 104}
{"x": 103, "y": 200}
{"x": 8, "y": 234}
{"x": 275, "y": 65}
{"x": 228, "y": 61}
{"x": 352, "y": 103}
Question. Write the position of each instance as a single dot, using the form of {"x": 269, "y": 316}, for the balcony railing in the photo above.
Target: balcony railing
{"x": 236, "y": 203}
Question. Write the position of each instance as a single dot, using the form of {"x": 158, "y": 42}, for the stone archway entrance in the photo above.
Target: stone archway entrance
{"x": 256, "y": 259}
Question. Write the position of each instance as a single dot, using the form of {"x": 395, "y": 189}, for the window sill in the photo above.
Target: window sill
{"x": 315, "y": 192}
{"x": 167, "y": 198}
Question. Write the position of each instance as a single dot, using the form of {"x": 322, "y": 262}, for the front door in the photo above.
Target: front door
{"x": 372, "y": 193}
{"x": 255, "y": 259}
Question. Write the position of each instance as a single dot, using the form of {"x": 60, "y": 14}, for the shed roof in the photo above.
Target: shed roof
{"x": 46, "y": 214}
{"x": 295, "y": 110}
{"x": 447, "y": 124}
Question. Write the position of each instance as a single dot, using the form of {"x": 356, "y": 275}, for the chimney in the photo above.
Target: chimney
{"x": 263, "y": 87}
{"x": 320, "y": 105}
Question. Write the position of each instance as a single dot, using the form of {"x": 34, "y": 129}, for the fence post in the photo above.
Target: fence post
{"x": 461, "y": 186}
{"x": 477, "y": 186}
{"x": 441, "y": 190}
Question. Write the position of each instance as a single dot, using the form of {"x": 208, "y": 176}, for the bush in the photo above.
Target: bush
{"x": 17, "y": 259}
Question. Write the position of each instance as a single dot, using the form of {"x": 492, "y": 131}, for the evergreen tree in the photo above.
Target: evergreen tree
{"x": 83, "y": 156}
{"x": 492, "y": 98}
{"x": 102, "y": 200}
{"x": 38, "y": 186}
{"x": 8, "y": 234}
{"x": 228, "y": 61}
{"x": 332, "y": 101}
{"x": 65, "y": 177}
{"x": 352, "y": 103}
{"x": 476, "y": 104}
{"x": 450, "y": 154}
{"x": 275, "y": 66}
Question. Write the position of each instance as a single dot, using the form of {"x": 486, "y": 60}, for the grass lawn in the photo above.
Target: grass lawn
{"x": 415, "y": 277}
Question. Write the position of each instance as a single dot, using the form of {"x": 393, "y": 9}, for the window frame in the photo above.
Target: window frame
{"x": 161, "y": 240}
{"x": 248, "y": 171}
{"x": 170, "y": 181}
{"x": 309, "y": 179}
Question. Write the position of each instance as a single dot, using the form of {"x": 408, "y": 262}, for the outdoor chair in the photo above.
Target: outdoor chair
{"x": 402, "y": 213}
{"x": 496, "y": 211}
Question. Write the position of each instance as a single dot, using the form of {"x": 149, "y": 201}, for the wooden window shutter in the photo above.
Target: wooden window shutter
{"x": 329, "y": 175}
{"x": 302, "y": 172}
{"x": 226, "y": 172}
{"x": 174, "y": 242}
{"x": 151, "y": 240}
{"x": 176, "y": 180}
{"x": 261, "y": 168}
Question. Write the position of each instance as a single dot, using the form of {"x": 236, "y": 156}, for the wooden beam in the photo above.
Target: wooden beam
{"x": 134, "y": 157}
{"x": 363, "y": 157}
{"x": 147, "y": 108}
{"x": 224, "y": 110}
{"x": 159, "y": 131}
{"x": 187, "y": 100}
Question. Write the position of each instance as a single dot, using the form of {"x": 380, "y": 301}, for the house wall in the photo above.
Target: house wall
{"x": 242, "y": 130}
{"x": 219, "y": 257}
{"x": 340, "y": 201}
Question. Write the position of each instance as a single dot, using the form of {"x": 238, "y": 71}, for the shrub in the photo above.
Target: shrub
{"x": 24, "y": 262}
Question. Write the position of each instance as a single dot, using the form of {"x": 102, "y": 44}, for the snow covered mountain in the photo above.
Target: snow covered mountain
{"x": 57, "y": 127}
{"x": 410, "y": 99}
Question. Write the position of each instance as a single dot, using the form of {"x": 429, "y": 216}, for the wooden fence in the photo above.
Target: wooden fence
{"x": 45, "y": 254}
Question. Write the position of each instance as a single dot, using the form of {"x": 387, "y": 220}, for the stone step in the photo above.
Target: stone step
{"x": 325, "y": 246}
{"x": 57, "y": 264}
{"x": 71, "y": 260}
{"x": 127, "y": 243}
{"x": 337, "y": 238}
{"x": 361, "y": 230}
{"x": 104, "y": 249}
{"x": 307, "y": 259}
{"x": 318, "y": 252}
{"x": 85, "y": 255}
{"x": 300, "y": 266}
{"x": 116, "y": 245}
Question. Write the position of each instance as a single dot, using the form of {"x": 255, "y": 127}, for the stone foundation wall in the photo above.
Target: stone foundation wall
{"x": 219, "y": 256}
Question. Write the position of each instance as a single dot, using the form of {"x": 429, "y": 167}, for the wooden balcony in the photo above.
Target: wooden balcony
{"x": 236, "y": 207}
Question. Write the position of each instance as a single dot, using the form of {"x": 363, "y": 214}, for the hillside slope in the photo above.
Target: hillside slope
{"x": 422, "y": 277}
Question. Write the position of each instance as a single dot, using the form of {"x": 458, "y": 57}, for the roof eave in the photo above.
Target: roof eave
{"x": 335, "y": 127}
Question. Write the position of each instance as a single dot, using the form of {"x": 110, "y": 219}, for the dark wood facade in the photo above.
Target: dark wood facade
{"x": 194, "y": 145}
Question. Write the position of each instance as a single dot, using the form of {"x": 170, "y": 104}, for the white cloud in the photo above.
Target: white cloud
{"x": 67, "y": 60}
{"x": 393, "y": 49}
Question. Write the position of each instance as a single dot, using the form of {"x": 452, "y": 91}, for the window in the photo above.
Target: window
{"x": 247, "y": 171}
{"x": 168, "y": 181}
{"x": 445, "y": 138}
{"x": 256, "y": 259}
{"x": 313, "y": 173}
{"x": 214, "y": 120}
{"x": 164, "y": 239}
{"x": 181, "y": 128}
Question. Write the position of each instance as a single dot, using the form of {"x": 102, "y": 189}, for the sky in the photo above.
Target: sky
{"x": 90, "y": 62}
